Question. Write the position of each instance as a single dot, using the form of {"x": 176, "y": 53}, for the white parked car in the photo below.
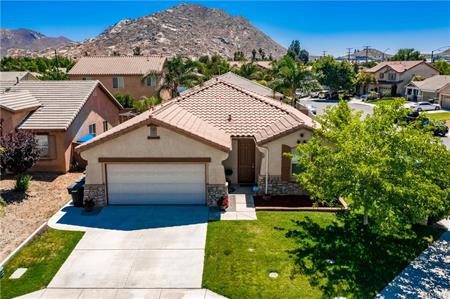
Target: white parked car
{"x": 425, "y": 106}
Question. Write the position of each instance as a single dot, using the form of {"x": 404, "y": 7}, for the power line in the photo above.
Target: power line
{"x": 323, "y": 53}
{"x": 367, "y": 53}
{"x": 349, "y": 52}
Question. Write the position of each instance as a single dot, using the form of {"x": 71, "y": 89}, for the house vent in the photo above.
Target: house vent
{"x": 229, "y": 117}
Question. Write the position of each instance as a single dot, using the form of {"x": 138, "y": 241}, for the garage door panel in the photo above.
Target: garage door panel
{"x": 156, "y": 183}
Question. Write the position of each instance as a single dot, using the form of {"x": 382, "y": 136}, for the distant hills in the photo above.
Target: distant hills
{"x": 30, "y": 40}
{"x": 186, "y": 29}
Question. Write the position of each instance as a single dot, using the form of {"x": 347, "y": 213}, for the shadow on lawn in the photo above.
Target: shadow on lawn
{"x": 347, "y": 258}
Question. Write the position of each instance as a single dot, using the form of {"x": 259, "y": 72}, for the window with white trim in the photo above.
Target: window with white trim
{"x": 92, "y": 129}
{"x": 153, "y": 133}
{"x": 118, "y": 82}
{"x": 295, "y": 167}
{"x": 105, "y": 126}
{"x": 381, "y": 75}
{"x": 150, "y": 80}
{"x": 42, "y": 145}
{"x": 392, "y": 76}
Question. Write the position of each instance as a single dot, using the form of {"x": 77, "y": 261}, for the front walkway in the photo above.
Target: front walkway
{"x": 428, "y": 276}
{"x": 242, "y": 206}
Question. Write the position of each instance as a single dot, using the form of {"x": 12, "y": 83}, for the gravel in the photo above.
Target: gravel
{"x": 23, "y": 213}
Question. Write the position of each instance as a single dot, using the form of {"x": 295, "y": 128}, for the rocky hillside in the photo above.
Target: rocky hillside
{"x": 185, "y": 29}
{"x": 25, "y": 39}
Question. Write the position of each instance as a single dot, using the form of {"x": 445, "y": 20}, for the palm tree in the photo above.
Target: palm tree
{"x": 289, "y": 76}
{"x": 180, "y": 72}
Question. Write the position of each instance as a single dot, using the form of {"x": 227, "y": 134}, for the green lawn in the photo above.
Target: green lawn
{"x": 443, "y": 116}
{"x": 43, "y": 257}
{"x": 387, "y": 101}
{"x": 315, "y": 256}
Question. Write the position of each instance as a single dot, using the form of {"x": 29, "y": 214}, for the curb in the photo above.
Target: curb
{"x": 33, "y": 235}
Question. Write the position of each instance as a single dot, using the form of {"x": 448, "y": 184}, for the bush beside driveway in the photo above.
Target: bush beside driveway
{"x": 23, "y": 213}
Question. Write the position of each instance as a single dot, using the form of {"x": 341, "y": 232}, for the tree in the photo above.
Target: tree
{"x": 296, "y": 52}
{"x": 181, "y": 72}
{"x": 362, "y": 80}
{"x": 54, "y": 74}
{"x": 145, "y": 103}
{"x": 238, "y": 56}
{"x": 217, "y": 65}
{"x": 392, "y": 172}
{"x": 335, "y": 75}
{"x": 442, "y": 66}
{"x": 19, "y": 152}
{"x": 253, "y": 54}
{"x": 137, "y": 51}
{"x": 124, "y": 99}
{"x": 407, "y": 54}
{"x": 262, "y": 54}
{"x": 289, "y": 76}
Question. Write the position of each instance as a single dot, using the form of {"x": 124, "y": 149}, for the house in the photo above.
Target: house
{"x": 61, "y": 114}
{"x": 392, "y": 76}
{"x": 133, "y": 75}
{"x": 435, "y": 89}
{"x": 8, "y": 79}
{"x": 247, "y": 84}
{"x": 177, "y": 152}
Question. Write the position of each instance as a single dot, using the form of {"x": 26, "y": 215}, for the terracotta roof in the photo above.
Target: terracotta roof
{"x": 240, "y": 112}
{"x": 17, "y": 101}
{"x": 398, "y": 66}
{"x": 433, "y": 84}
{"x": 247, "y": 84}
{"x": 118, "y": 65}
{"x": 216, "y": 111}
{"x": 171, "y": 116}
{"x": 60, "y": 102}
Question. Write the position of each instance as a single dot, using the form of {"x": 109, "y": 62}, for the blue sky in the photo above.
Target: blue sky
{"x": 320, "y": 26}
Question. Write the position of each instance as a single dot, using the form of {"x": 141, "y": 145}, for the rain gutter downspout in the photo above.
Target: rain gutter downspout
{"x": 266, "y": 156}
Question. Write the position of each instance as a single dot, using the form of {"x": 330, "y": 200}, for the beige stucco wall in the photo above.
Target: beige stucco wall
{"x": 171, "y": 144}
{"x": 275, "y": 153}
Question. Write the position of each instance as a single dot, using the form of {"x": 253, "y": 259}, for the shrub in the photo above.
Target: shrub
{"x": 23, "y": 183}
{"x": 372, "y": 96}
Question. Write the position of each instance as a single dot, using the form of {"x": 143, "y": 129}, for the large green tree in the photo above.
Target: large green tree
{"x": 442, "y": 66}
{"x": 393, "y": 172}
{"x": 289, "y": 75}
{"x": 296, "y": 52}
{"x": 334, "y": 74}
{"x": 407, "y": 54}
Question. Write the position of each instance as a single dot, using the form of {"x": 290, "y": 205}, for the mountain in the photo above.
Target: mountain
{"x": 26, "y": 39}
{"x": 186, "y": 29}
{"x": 372, "y": 54}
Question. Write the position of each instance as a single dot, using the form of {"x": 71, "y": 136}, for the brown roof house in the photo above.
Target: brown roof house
{"x": 8, "y": 79}
{"x": 61, "y": 114}
{"x": 180, "y": 151}
{"x": 392, "y": 76}
{"x": 133, "y": 75}
{"x": 433, "y": 89}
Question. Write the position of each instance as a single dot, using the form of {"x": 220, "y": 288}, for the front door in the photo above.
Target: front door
{"x": 246, "y": 161}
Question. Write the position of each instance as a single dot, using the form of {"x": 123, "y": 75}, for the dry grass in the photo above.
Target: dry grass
{"x": 23, "y": 213}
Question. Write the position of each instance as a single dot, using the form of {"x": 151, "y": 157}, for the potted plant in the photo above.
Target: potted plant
{"x": 89, "y": 205}
{"x": 223, "y": 202}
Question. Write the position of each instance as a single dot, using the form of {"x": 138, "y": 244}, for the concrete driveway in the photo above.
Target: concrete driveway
{"x": 150, "y": 247}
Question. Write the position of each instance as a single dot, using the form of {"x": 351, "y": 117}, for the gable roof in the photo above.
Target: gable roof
{"x": 61, "y": 101}
{"x": 247, "y": 84}
{"x": 216, "y": 111}
{"x": 118, "y": 65}
{"x": 398, "y": 66}
{"x": 433, "y": 84}
{"x": 17, "y": 101}
{"x": 12, "y": 76}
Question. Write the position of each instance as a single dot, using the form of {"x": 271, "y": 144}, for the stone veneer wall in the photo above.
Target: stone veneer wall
{"x": 215, "y": 192}
{"x": 278, "y": 187}
{"x": 96, "y": 192}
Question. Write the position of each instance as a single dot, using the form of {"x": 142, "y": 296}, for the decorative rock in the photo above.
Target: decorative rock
{"x": 18, "y": 273}
{"x": 273, "y": 274}
{"x": 276, "y": 186}
{"x": 215, "y": 192}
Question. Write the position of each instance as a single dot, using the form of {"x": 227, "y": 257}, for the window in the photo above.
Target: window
{"x": 86, "y": 78}
{"x": 105, "y": 126}
{"x": 381, "y": 75}
{"x": 42, "y": 145}
{"x": 118, "y": 82}
{"x": 92, "y": 129}
{"x": 153, "y": 133}
{"x": 295, "y": 168}
{"x": 392, "y": 76}
{"x": 150, "y": 80}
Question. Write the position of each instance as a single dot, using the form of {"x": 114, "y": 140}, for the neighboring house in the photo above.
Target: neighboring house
{"x": 431, "y": 89}
{"x": 392, "y": 76}
{"x": 8, "y": 79}
{"x": 177, "y": 152}
{"x": 247, "y": 84}
{"x": 134, "y": 75}
{"x": 62, "y": 114}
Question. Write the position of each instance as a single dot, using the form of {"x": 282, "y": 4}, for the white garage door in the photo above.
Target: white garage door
{"x": 156, "y": 183}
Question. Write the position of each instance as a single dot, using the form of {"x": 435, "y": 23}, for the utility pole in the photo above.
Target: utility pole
{"x": 367, "y": 53}
{"x": 349, "y": 53}
{"x": 323, "y": 53}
